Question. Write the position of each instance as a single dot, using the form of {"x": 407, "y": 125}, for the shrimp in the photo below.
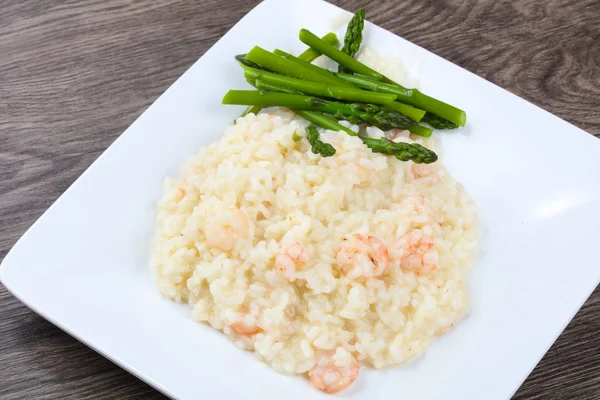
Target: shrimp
{"x": 242, "y": 328}
{"x": 416, "y": 253}
{"x": 288, "y": 258}
{"x": 226, "y": 227}
{"x": 361, "y": 257}
{"x": 328, "y": 376}
{"x": 247, "y": 325}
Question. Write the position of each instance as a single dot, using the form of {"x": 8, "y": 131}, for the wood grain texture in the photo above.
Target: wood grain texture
{"x": 75, "y": 74}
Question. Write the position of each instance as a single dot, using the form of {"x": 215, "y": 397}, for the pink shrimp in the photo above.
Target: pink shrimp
{"x": 248, "y": 324}
{"x": 416, "y": 253}
{"x": 361, "y": 257}
{"x": 225, "y": 228}
{"x": 288, "y": 258}
{"x": 330, "y": 377}
{"x": 245, "y": 329}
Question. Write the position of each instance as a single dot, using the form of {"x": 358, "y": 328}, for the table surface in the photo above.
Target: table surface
{"x": 74, "y": 74}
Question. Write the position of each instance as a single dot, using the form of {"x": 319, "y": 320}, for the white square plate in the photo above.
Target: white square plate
{"x": 536, "y": 179}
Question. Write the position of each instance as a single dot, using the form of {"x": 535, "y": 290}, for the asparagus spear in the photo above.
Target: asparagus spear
{"x": 412, "y": 112}
{"x": 312, "y": 67}
{"x": 410, "y": 96}
{"x": 310, "y": 55}
{"x": 438, "y": 122}
{"x": 413, "y": 128}
{"x": 262, "y": 85}
{"x": 373, "y": 115}
{"x": 420, "y": 130}
{"x": 402, "y": 151}
{"x": 340, "y": 57}
{"x": 413, "y": 96}
{"x": 241, "y": 58}
{"x": 284, "y": 66}
{"x": 416, "y": 114}
{"x": 337, "y": 55}
{"x": 271, "y": 99}
{"x": 353, "y": 37}
{"x": 319, "y": 88}
{"x": 318, "y": 146}
{"x": 356, "y": 113}
{"x": 324, "y": 122}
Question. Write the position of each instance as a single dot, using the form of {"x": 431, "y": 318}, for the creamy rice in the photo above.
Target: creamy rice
{"x": 315, "y": 263}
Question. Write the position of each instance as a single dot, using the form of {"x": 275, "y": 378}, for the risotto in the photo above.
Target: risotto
{"x": 318, "y": 265}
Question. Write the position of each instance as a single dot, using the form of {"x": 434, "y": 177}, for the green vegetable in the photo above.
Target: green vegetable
{"x": 319, "y": 88}
{"x": 370, "y": 114}
{"x": 284, "y": 66}
{"x": 250, "y": 109}
{"x": 318, "y": 147}
{"x": 337, "y": 55}
{"x": 412, "y": 112}
{"x": 324, "y": 122}
{"x": 241, "y": 58}
{"x": 413, "y": 128}
{"x": 262, "y": 85}
{"x": 310, "y": 55}
{"x": 402, "y": 151}
{"x": 312, "y": 67}
{"x": 410, "y": 96}
{"x": 363, "y": 95}
{"x": 303, "y": 69}
{"x": 416, "y": 114}
{"x": 420, "y": 130}
{"x": 356, "y": 113}
{"x": 353, "y": 37}
{"x": 438, "y": 122}
{"x": 270, "y": 99}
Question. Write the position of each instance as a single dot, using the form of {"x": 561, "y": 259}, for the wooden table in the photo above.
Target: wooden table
{"x": 74, "y": 74}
